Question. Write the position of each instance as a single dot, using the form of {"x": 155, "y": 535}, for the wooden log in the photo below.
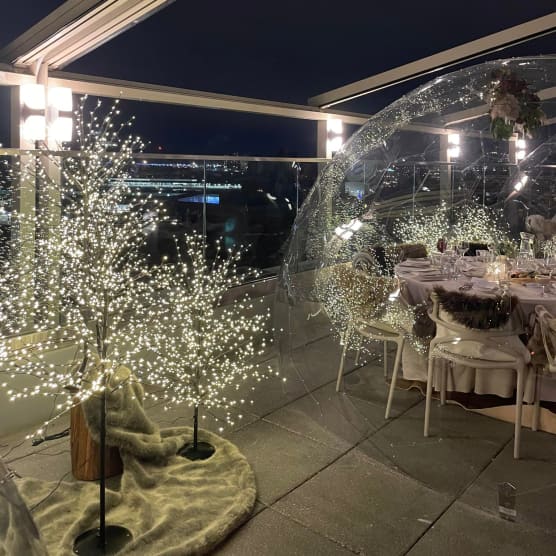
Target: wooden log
{"x": 85, "y": 451}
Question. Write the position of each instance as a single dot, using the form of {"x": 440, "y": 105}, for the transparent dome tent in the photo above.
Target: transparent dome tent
{"x": 402, "y": 165}
{"x": 425, "y": 168}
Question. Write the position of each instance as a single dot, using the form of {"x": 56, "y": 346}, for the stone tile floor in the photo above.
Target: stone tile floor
{"x": 335, "y": 478}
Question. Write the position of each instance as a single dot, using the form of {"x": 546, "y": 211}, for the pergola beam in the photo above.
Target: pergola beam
{"x": 76, "y": 28}
{"x": 133, "y": 90}
{"x": 442, "y": 60}
{"x": 148, "y": 92}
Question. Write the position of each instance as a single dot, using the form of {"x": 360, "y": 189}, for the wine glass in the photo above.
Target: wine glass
{"x": 464, "y": 247}
{"x": 491, "y": 246}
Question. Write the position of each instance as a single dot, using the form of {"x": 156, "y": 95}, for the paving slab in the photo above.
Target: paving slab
{"x": 465, "y": 531}
{"x": 329, "y": 417}
{"x": 49, "y": 462}
{"x": 297, "y": 328}
{"x": 318, "y": 362}
{"x": 300, "y": 371}
{"x": 271, "y": 534}
{"x": 364, "y": 506}
{"x": 341, "y": 419}
{"x": 280, "y": 459}
{"x": 534, "y": 476}
{"x": 461, "y": 445}
{"x": 368, "y": 384}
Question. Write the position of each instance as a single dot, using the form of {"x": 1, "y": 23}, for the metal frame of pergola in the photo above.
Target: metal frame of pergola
{"x": 79, "y": 26}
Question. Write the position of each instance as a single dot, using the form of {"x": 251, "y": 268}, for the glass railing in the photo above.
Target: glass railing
{"x": 246, "y": 201}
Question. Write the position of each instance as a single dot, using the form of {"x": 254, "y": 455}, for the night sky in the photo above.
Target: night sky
{"x": 286, "y": 51}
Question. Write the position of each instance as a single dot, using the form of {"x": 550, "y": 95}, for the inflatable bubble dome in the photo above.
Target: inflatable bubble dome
{"x": 469, "y": 156}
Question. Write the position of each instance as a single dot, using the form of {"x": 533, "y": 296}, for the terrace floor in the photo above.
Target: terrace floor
{"x": 335, "y": 478}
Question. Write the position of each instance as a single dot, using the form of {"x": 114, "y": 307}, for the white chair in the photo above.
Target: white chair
{"x": 374, "y": 329}
{"x": 547, "y": 324}
{"x": 494, "y": 348}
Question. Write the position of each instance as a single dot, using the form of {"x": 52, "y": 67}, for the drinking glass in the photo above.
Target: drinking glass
{"x": 447, "y": 265}
{"x": 543, "y": 280}
{"x": 458, "y": 269}
{"x": 435, "y": 259}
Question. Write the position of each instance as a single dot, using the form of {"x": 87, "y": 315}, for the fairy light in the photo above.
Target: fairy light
{"x": 86, "y": 278}
{"x": 346, "y": 294}
{"x": 470, "y": 223}
{"x": 198, "y": 349}
{"x": 424, "y": 227}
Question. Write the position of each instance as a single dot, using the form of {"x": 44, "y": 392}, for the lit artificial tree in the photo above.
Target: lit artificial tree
{"x": 468, "y": 222}
{"x": 201, "y": 347}
{"x": 83, "y": 281}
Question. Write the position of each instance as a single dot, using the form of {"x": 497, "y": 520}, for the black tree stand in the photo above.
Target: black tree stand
{"x": 106, "y": 539}
{"x": 196, "y": 450}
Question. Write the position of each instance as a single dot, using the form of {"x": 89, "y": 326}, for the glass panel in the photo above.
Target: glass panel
{"x": 246, "y": 202}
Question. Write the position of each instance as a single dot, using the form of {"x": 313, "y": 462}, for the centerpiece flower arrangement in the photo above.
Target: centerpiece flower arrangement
{"x": 514, "y": 107}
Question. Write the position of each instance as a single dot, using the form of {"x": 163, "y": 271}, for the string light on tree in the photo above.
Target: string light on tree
{"x": 83, "y": 277}
{"x": 201, "y": 349}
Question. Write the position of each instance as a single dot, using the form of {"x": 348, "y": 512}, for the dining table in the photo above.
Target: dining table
{"x": 419, "y": 277}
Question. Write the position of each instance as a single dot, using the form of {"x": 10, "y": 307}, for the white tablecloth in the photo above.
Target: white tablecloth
{"x": 465, "y": 379}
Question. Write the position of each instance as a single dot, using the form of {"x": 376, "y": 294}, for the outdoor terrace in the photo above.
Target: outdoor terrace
{"x": 334, "y": 477}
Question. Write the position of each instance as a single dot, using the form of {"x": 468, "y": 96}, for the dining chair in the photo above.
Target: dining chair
{"x": 490, "y": 348}
{"x": 374, "y": 328}
{"x": 547, "y": 324}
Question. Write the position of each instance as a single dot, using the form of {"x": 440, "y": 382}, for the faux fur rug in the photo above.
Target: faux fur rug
{"x": 182, "y": 507}
{"x": 171, "y": 505}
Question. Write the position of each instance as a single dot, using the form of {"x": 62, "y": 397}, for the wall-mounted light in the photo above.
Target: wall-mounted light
{"x": 334, "y": 136}
{"x": 39, "y": 105}
{"x": 60, "y": 107}
{"x": 33, "y": 103}
{"x": 453, "y": 145}
{"x": 520, "y": 145}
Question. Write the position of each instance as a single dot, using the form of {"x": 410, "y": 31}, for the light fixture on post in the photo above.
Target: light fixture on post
{"x": 38, "y": 115}
{"x": 520, "y": 149}
{"x": 60, "y": 107}
{"x": 33, "y": 103}
{"x": 334, "y": 136}
{"x": 453, "y": 150}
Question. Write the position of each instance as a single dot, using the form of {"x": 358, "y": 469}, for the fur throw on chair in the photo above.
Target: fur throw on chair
{"x": 543, "y": 228}
{"x": 365, "y": 261}
{"x": 406, "y": 251}
{"x": 477, "y": 312}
